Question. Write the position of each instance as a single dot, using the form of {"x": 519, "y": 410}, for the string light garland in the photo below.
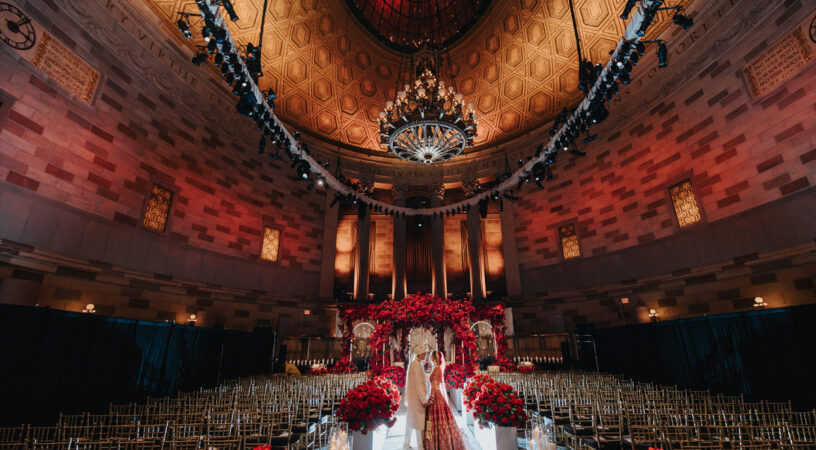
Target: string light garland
{"x": 568, "y": 126}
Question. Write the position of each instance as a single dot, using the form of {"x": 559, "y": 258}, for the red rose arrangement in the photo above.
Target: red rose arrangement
{"x": 343, "y": 365}
{"x": 394, "y": 373}
{"x": 318, "y": 371}
{"x": 370, "y": 404}
{"x": 473, "y": 388}
{"x": 455, "y": 376}
{"x": 499, "y": 404}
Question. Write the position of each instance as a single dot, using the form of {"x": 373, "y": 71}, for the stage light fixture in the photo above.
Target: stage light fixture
{"x": 184, "y": 27}
{"x": 212, "y": 47}
{"x": 662, "y": 55}
{"x": 218, "y": 59}
{"x": 199, "y": 58}
{"x": 683, "y": 21}
{"x": 627, "y": 9}
{"x": 227, "y": 4}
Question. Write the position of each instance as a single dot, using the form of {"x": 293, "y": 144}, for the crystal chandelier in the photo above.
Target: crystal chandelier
{"x": 427, "y": 122}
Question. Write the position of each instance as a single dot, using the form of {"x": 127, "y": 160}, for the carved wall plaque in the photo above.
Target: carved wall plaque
{"x": 65, "y": 67}
{"x": 781, "y": 61}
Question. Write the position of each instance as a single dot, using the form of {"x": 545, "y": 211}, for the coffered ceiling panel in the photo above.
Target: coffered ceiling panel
{"x": 517, "y": 65}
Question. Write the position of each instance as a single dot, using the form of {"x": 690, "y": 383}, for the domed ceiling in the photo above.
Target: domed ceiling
{"x": 333, "y": 73}
{"x": 408, "y": 24}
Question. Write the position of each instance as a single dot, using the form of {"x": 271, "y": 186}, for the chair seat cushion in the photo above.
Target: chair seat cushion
{"x": 578, "y": 430}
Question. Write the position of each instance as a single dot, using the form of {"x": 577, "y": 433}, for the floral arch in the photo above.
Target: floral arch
{"x": 394, "y": 319}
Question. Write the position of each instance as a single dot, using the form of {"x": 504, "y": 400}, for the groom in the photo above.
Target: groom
{"x": 416, "y": 396}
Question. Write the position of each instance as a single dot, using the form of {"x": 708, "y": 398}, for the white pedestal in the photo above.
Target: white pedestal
{"x": 456, "y": 399}
{"x": 373, "y": 440}
{"x": 496, "y": 438}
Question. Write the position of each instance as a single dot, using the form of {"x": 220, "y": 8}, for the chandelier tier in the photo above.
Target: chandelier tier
{"x": 428, "y": 122}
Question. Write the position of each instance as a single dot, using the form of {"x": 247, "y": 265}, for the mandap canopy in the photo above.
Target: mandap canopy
{"x": 394, "y": 319}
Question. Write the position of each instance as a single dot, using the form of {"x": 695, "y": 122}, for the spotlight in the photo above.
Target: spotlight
{"x": 184, "y": 27}
{"x": 220, "y": 34}
{"x": 683, "y": 21}
{"x": 246, "y": 104}
{"x": 199, "y": 58}
{"x": 227, "y": 4}
{"x": 630, "y": 4}
{"x": 662, "y": 55}
{"x": 262, "y": 144}
{"x": 303, "y": 170}
{"x": 206, "y": 33}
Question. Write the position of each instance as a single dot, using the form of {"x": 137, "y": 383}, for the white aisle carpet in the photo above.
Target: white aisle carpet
{"x": 396, "y": 434}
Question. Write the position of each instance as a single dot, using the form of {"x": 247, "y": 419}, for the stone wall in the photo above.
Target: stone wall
{"x": 752, "y": 162}
{"x": 75, "y": 176}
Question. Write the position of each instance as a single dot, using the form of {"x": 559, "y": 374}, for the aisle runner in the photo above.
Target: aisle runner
{"x": 396, "y": 435}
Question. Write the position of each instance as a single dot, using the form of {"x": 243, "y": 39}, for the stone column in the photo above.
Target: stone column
{"x": 474, "y": 243}
{"x": 398, "y": 280}
{"x": 440, "y": 283}
{"x": 510, "y": 250}
{"x": 363, "y": 262}
{"x": 329, "y": 253}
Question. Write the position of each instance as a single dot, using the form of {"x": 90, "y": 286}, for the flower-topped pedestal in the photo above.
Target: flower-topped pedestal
{"x": 497, "y": 410}
{"x": 370, "y": 409}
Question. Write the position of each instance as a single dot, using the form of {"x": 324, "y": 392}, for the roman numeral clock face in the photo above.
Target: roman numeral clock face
{"x": 16, "y": 29}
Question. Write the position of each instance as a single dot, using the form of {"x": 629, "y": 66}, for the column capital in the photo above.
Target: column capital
{"x": 366, "y": 185}
{"x": 471, "y": 187}
{"x": 438, "y": 192}
{"x": 399, "y": 193}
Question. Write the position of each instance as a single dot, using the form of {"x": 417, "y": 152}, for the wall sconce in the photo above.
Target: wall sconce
{"x": 307, "y": 312}
{"x": 624, "y": 300}
{"x": 90, "y": 308}
{"x": 759, "y": 303}
{"x": 653, "y": 315}
{"x": 192, "y": 319}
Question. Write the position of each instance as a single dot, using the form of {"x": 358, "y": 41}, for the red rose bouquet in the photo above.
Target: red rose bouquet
{"x": 343, "y": 365}
{"x": 473, "y": 388}
{"x": 318, "y": 371}
{"x": 455, "y": 376}
{"x": 394, "y": 373}
{"x": 499, "y": 404}
{"x": 370, "y": 404}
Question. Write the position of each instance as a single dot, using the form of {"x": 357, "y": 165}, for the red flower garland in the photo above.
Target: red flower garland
{"x": 397, "y": 317}
{"x": 455, "y": 376}
{"x": 370, "y": 404}
{"x": 395, "y": 374}
{"x": 473, "y": 388}
{"x": 343, "y": 365}
{"x": 318, "y": 371}
{"x": 499, "y": 404}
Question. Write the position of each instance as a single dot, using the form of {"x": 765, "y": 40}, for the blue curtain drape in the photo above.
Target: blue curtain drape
{"x": 766, "y": 355}
{"x": 56, "y": 361}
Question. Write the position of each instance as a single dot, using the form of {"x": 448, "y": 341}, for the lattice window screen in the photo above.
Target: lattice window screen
{"x": 569, "y": 241}
{"x": 686, "y": 208}
{"x": 157, "y": 209}
{"x": 271, "y": 244}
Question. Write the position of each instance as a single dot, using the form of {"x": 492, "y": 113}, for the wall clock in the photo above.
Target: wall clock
{"x": 16, "y": 29}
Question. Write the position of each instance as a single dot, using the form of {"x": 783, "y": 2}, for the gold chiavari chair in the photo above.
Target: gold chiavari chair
{"x": 13, "y": 437}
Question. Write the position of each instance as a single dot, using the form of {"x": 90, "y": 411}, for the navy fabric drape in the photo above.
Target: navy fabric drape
{"x": 54, "y": 361}
{"x": 766, "y": 355}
